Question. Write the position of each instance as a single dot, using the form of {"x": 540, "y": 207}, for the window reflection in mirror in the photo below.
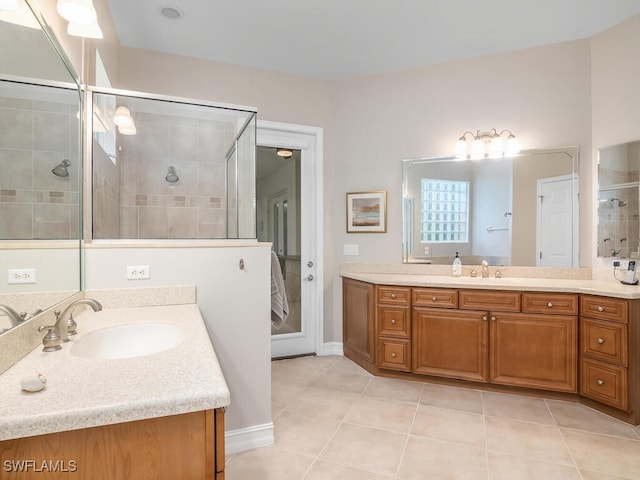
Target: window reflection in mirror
{"x": 510, "y": 211}
{"x": 618, "y": 195}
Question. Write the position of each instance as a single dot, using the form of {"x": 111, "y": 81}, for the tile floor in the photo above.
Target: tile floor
{"x": 333, "y": 420}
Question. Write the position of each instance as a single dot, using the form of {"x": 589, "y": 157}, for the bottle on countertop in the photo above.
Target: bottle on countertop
{"x": 457, "y": 266}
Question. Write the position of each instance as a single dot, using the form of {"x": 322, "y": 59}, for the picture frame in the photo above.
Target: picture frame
{"x": 367, "y": 212}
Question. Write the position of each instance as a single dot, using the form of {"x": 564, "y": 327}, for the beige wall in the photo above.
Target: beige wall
{"x": 615, "y": 73}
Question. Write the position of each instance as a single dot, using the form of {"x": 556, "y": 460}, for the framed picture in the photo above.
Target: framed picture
{"x": 367, "y": 212}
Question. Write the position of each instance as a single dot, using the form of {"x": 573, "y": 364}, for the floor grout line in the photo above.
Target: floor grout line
{"x": 406, "y": 442}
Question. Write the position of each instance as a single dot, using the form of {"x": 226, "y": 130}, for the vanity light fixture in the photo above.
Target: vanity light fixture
{"x": 18, "y": 13}
{"x": 130, "y": 130}
{"x": 284, "y": 152}
{"x": 489, "y": 144}
{"x": 92, "y": 30}
{"x": 122, "y": 117}
{"x": 77, "y": 11}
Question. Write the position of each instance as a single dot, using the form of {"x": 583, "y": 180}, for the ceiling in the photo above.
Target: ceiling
{"x": 341, "y": 39}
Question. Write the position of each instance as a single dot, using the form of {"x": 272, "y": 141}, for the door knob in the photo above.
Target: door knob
{"x": 309, "y": 277}
{"x": 309, "y": 264}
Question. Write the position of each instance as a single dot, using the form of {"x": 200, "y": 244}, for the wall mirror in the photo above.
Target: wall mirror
{"x": 169, "y": 168}
{"x": 618, "y": 194}
{"x": 40, "y": 132}
{"x": 520, "y": 211}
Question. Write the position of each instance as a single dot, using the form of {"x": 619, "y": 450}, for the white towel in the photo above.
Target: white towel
{"x": 279, "y": 304}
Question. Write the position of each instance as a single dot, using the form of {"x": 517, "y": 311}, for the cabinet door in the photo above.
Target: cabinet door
{"x": 358, "y": 312}
{"x": 537, "y": 351}
{"x": 450, "y": 343}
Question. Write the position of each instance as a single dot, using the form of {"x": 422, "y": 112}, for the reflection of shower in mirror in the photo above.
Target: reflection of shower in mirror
{"x": 172, "y": 176}
{"x": 62, "y": 169}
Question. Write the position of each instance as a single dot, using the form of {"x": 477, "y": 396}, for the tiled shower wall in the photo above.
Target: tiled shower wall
{"x": 35, "y": 136}
{"x": 133, "y": 200}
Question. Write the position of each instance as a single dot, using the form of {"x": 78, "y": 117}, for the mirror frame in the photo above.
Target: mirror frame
{"x": 573, "y": 152}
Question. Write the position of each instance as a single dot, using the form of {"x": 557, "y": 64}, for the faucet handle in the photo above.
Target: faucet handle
{"x": 51, "y": 340}
{"x": 72, "y": 326}
{"x": 498, "y": 273}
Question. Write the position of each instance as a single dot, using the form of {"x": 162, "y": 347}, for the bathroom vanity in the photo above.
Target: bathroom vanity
{"x": 574, "y": 339}
{"x": 115, "y": 413}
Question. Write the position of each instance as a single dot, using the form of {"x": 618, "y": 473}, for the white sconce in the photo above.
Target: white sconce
{"x": 489, "y": 144}
{"x": 18, "y": 13}
{"x": 82, "y": 18}
{"x": 123, "y": 119}
{"x": 131, "y": 130}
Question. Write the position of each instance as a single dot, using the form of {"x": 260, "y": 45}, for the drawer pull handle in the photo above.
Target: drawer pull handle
{"x": 600, "y": 309}
{"x": 600, "y": 382}
{"x": 393, "y": 296}
{"x": 393, "y": 321}
{"x": 434, "y": 298}
{"x": 601, "y": 341}
{"x": 549, "y": 304}
{"x": 493, "y": 318}
{"x": 484, "y": 318}
{"x": 394, "y": 354}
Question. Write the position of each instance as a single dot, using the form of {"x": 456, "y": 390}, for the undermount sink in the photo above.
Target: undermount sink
{"x": 127, "y": 341}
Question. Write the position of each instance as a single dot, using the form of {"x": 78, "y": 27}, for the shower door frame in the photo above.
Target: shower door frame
{"x": 309, "y": 140}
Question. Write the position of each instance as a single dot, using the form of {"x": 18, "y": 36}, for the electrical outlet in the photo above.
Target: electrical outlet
{"x": 616, "y": 263}
{"x": 21, "y": 275}
{"x": 138, "y": 272}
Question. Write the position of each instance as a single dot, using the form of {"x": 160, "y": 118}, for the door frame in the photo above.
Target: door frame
{"x": 574, "y": 226}
{"x": 309, "y": 140}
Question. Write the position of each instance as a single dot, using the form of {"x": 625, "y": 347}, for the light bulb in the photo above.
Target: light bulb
{"x": 77, "y": 11}
{"x": 130, "y": 130}
{"x": 513, "y": 146}
{"x": 477, "y": 149}
{"x": 460, "y": 149}
{"x": 122, "y": 117}
{"x": 496, "y": 150}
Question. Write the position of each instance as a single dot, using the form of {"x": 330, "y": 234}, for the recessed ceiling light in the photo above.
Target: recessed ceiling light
{"x": 171, "y": 12}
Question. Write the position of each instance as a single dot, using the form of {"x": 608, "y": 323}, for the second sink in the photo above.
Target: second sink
{"x": 127, "y": 341}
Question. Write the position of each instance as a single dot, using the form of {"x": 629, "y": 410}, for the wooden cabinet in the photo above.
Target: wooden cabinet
{"x": 534, "y": 350}
{"x": 187, "y": 446}
{"x": 587, "y": 345}
{"x": 393, "y": 320}
{"x": 604, "y": 350}
{"x": 358, "y": 313}
{"x": 450, "y": 343}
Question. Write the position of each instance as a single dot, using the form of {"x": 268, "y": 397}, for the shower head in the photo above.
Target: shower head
{"x": 62, "y": 169}
{"x": 172, "y": 176}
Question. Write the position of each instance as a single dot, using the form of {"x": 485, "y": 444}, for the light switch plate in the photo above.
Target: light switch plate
{"x": 350, "y": 249}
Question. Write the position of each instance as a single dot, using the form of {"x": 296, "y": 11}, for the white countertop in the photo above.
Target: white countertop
{"x": 84, "y": 392}
{"x": 593, "y": 287}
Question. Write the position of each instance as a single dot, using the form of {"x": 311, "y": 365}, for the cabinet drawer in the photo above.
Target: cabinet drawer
{"x": 394, "y": 354}
{"x": 553, "y": 303}
{"x": 394, "y": 295}
{"x": 606, "y": 341}
{"x": 435, "y": 297}
{"x": 604, "y": 308}
{"x": 489, "y": 300}
{"x": 605, "y": 383}
{"x": 394, "y": 321}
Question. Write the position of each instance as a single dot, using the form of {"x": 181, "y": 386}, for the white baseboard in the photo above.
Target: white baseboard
{"x": 331, "y": 348}
{"x": 237, "y": 441}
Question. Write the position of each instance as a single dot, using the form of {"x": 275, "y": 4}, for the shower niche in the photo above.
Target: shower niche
{"x": 618, "y": 200}
{"x": 170, "y": 168}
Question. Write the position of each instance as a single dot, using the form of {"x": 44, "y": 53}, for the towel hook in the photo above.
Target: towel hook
{"x": 241, "y": 264}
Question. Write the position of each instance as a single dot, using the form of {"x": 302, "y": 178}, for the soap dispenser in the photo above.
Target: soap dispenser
{"x": 457, "y": 266}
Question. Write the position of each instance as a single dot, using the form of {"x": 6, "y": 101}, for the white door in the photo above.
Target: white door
{"x": 556, "y": 232}
{"x": 308, "y": 140}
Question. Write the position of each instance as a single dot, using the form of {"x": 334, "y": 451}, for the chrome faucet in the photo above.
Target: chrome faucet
{"x": 14, "y": 317}
{"x": 61, "y": 330}
{"x": 485, "y": 269}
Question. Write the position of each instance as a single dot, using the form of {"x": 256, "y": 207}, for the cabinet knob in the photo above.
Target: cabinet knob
{"x": 393, "y": 296}
{"x": 434, "y": 298}
{"x": 600, "y": 309}
{"x": 493, "y": 318}
{"x": 394, "y": 354}
{"x": 600, "y": 382}
{"x": 601, "y": 341}
{"x": 393, "y": 321}
{"x": 549, "y": 304}
{"x": 484, "y": 317}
